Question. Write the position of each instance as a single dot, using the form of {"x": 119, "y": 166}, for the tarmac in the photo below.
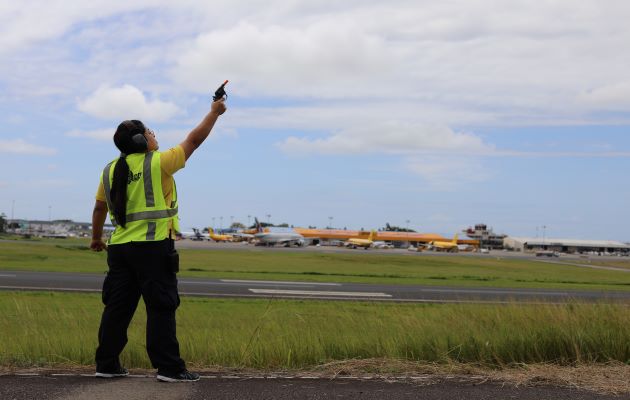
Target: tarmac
{"x": 81, "y": 387}
{"x": 235, "y": 288}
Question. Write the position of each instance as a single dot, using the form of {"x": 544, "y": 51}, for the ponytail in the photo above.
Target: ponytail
{"x": 118, "y": 193}
{"x": 129, "y": 138}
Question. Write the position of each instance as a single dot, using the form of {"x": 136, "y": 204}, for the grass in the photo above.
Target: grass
{"x": 45, "y": 329}
{"x": 73, "y": 255}
{"x": 622, "y": 263}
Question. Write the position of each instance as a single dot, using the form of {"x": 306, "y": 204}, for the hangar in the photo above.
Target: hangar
{"x": 566, "y": 245}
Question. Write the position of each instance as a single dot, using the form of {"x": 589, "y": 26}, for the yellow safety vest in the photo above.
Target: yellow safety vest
{"x": 148, "y": 216}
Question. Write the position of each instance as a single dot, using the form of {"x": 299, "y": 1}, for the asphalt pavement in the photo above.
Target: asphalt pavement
{"x": 50, "y": 387}
{"x": 80, "y": 282}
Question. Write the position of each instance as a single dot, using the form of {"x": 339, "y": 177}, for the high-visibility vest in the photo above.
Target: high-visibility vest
{"x": 148, "y": 215}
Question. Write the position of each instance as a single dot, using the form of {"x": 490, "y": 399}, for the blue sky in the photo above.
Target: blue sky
{"x": 509, "y": 113}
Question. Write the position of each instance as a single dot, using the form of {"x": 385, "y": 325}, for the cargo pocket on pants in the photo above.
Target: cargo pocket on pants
{"x": 161, "y": 296}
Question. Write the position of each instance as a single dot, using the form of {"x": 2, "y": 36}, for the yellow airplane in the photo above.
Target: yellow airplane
{"x": 365, "y": 243}
{"x": 219, "y": 238}
{"x": 450, "y": 247}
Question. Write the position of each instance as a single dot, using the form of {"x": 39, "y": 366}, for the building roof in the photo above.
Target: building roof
{"x": 570, "y": 242}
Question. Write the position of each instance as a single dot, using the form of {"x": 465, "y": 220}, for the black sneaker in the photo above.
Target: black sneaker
{"x": 184, "y": 376}
{"x": 117, "y": 373}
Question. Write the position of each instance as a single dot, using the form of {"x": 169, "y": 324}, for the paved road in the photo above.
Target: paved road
{"x": 28, "y": 280}
{"x": 87, "y": 388}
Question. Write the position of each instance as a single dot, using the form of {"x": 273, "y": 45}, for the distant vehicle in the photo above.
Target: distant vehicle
{"x": 219, "y": 238}
{"x": 450, "y": 247}
{"x": 382, "y": 245}
{"x": 484, "y": 251}
{"x": 364, "y": 243}
{"x": 546, "y": 253}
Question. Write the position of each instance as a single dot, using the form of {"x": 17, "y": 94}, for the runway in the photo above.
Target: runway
{"x": 75, "y": 282}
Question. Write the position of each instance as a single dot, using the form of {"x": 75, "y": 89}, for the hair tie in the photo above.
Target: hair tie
{"x": 123, "y": 155}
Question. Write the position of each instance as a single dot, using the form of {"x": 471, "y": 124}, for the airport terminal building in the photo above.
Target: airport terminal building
{"x": 573, "y": 246}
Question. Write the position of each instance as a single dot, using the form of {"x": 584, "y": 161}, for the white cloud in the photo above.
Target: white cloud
{"x": 615, "y": 96}
{"x": 28, "y": 21}
{"x": 390, "y": 138}
{"x": 522, "y": 62}
{"x": 126, "y": 102}
{"x": 20, "y": 146}
{"x": 320, "y": 59}
{"x": 447, "y": 173}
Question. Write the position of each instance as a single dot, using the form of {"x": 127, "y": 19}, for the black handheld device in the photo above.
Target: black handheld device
{"x": 220, "y": 92}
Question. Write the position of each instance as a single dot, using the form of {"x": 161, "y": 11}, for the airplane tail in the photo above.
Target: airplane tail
{"x": 258, "y": 226}
{"x": 455, "y": 238}
{"x": 372, "y": 234}
{"x": 210, "y": 231}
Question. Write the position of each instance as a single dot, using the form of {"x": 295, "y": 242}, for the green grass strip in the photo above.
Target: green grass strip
{"x": 361, "y": 267}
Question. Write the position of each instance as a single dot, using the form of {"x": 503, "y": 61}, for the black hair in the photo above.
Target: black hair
{"x": 129, "y": 138}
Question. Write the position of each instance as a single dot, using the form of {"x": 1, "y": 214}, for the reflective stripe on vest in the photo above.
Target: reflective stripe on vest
{"x": 107, "y": 188}
{"x": 148, "y": 216}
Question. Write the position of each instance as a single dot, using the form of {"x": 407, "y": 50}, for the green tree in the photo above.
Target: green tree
{"x": 3, "y": 223}
{"x": 389, "y": 228}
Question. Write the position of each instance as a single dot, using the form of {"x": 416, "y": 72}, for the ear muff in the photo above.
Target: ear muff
{"x": 140, "y": 141}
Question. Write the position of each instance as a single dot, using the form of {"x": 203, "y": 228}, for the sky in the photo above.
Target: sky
{"x": 430, "y": 115}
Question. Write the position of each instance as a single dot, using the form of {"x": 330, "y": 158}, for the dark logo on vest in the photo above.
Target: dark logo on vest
{"x": 133, "y": 177}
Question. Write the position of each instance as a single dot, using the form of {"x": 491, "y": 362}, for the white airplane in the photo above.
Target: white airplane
{"x": 190, "y": 235}
{"x": 286, "y": 239}
{"x": 194, "y": 235}
{"x": 242, "y": 237}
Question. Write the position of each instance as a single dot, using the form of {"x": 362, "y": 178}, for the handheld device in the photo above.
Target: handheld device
{"x": 220, "y": 92}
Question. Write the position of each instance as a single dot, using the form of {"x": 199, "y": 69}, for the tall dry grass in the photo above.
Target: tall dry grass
{"x": 56, "y": 328}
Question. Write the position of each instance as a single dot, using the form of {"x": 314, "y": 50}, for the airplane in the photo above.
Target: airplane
{"x": 450, "y": 247}
{"x": 242, "y": 237}
{"x": 287, "y": 239}
{"x": 382, "y": 245}
{"x": 219, "y": 238}
{"x": 194, "y": 235}
{"x": 365, "y": 243}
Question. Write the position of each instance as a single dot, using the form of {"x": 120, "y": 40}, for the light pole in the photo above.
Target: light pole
{"x": 213, "y": 224}
{"x": 269, "y": 219}
{"x": 330, "y": 222}
{"x": 249, "y": 217}
{"x": 544, "y": 233}
{"x": 231, "y": 221}
{"x": 49, "y": 213}
{"x": 407, "y": 228}
{"x": 221, "y": 222}
{"x": 12, "y": 209}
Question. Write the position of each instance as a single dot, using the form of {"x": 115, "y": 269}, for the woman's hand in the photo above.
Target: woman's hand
{"x": 98, "y": 245}
{"x": 218, "y": 107}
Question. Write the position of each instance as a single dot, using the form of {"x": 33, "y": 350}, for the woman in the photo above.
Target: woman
{"x": 140, "y": 194}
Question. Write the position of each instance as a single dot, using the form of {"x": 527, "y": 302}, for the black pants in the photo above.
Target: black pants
{"x": 135, "y": 269}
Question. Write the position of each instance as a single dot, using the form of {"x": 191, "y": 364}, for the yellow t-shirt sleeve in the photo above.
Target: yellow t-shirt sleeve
{"x": 173, "y": 160}
{"x": 100, "y": 192}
